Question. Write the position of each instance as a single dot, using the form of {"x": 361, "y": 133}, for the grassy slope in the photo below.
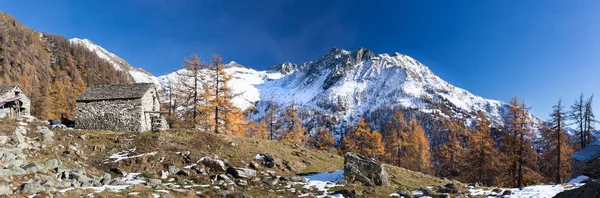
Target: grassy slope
{"x": 238, "y": 151}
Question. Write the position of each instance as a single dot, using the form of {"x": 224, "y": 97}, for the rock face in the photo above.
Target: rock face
{"x": 365, "y": 170}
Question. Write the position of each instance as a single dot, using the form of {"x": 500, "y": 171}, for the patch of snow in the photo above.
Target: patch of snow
{"x": 125, "y": 155}
{"x": 324, "y": 181}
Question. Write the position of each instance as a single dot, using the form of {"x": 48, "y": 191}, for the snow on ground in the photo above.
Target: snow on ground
{"x": 537, "y": 191}
{"x": 324, "y": 181}
{"x": 125, "y": 155}
{"x": 128, "y": 180}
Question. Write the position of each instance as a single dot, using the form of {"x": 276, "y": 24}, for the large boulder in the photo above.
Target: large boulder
{"x": 242, "y": 172}
{"x": 365, "y": 170}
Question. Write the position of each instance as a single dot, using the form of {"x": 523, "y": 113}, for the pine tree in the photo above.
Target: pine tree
{"x": 271, "y": 119}
{"x": 58, "y": 100}
{"x": 417, "y": 155}
{"x": 519, "y": 147}
{"x": 293, "y": 131}
{"x": 556, "y": 146}
{"x": 397, "y": 133}
{"x": 589, "y": 120}
{"x": 450, "y": 154}
{"x": 322, "y": 139}
{"x": 219, "y": 98}
{"x": 263, "y": 130}
{"x": 482, "y": 160}
{"x": 361, "y": 139}
{"x": 577, "y": 114}
{"x": 192, "y": 80}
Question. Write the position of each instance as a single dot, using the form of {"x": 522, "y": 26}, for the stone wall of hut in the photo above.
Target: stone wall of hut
{"x": 113, "y": 115}
{"x": 590, "y": 168}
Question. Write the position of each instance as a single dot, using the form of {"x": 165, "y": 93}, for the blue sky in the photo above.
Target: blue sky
{"x": 537, "y": 50}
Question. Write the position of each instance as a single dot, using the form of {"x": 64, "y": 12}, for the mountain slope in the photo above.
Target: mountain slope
{"x": 350, "y": 84}
{"x": 138, "y": 75}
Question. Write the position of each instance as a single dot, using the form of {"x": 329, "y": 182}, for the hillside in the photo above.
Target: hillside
{"x": 172, "y": 164}
{"x": 50, "y": 69}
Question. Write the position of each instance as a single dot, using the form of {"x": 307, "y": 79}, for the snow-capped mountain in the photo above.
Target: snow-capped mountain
{"x": 348, "y": 84}
{"x": 139, "y": 75}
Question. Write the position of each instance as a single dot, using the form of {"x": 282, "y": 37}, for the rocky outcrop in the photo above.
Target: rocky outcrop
{"x": 365, "y": 170}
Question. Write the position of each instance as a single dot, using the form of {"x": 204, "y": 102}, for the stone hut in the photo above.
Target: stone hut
{"x": 587, "y": 161}
{"x": 121, "y": 107}
{"x": 13, "y": 102}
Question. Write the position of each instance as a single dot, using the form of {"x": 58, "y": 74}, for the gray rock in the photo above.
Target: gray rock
{"x": 154, "y": 182}
{"x": 225, "y": 178}
{"x": 254, "y": 165}
{"x": 173, "y": 169}
{"x": 4, "y": 139}
{"x": 506, "y": 193}
{"x": 214, "y": 164}
{"x": 295, "y": 178}
{"x": 105, "y": 179}
{"x": 183, "y": 173}
{"x": 342, "y": 182}
{"x": 53, "y": 164}
{"x": 34, "y": 167}
{"x": 242, "y": 172}
{"x": 271, "y": 180}
{"x": 350, "y": 193}
{"x": 164, "y": 174}
{"x": 242, "y": 183}
{"x": 32, "y": 188}
{"x": 443, "y": 195}
{"x": 365, "y": 170}
{"x": 47, "y": 134}
{"x": 17, "y": 171}
{"x": 5, "y": 189}
{"x": 405, "y": 194}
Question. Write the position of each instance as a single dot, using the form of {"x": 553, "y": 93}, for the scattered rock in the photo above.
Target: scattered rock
{"x": 242, "y": 172}
{"x": 342, "y": 182}
{"x": 34, "y": 167}
{"x": 32, "y": 188}
{"x": 154, "y": 182}
{"x": 405, "y": 194}
{"x": 225, "y": 178}
{"x": 254, "y": 165}
{"x": 365, "y": 170}
{"x": 242, "y": 183}
{"x": 214, "y": 164}
{"x": 295, "y": 178}
{"x": 270, "y": 164}
{"x": 443, "y": 195}
{"x": 506, "y": 193}
{"x": 53, "y": 164}
{"x": 105, "y": 179}
{"x": 349, "y": 193}
{"x": 183, "y": 173}
{"x": 5, "y": 189}
{"x": 271, "y": 180}
{"x": 173, "y": 169}
{"x": 164, "y": 174}
{"x": 3, "y": 139}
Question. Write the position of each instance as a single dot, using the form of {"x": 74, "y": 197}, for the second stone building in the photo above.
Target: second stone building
{"x": 121, "y": 107}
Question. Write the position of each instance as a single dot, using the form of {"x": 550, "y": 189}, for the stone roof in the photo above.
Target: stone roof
{"x": 115, "y": 92}
{"x": 591, "y": 151}
{"x": 6, "y": 88}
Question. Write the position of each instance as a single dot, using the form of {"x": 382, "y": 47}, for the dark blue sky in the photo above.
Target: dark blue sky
{"x": 539, "y": 50}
